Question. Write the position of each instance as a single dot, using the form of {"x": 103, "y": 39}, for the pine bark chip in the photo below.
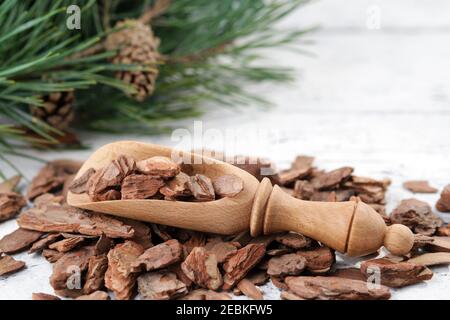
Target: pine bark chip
{"x": 333, "y": 288}
{"x": 238, "y": 265}
{"x": 201, "y": 268}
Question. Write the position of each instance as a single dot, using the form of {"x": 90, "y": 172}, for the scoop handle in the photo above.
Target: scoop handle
{"x": 350, "y": 227}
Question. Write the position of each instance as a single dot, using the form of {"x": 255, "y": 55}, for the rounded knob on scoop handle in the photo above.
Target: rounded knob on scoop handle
{"x": 399, "y": 239}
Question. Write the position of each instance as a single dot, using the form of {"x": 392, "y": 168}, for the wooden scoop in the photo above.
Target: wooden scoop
{"x": 351, "y": 227}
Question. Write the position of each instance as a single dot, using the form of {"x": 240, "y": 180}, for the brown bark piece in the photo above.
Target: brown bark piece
{"x": 159, "y": 166}
{"x": 184, "y": 235}
{"x": 160, "y": 256}
{"x": 301, "y": 168}
{"x": 417, "y": 216}
{"x": 237, "y": 292}
{"x": 298, "y": 171}
{"x": 222, "y": 250}
{"x": 419, "y": 186}
{"x": 51, "y": 178}
{"x": 95, "y": 275}
{"x": 243, "y": 238}
{"x": 79, "y": 186}
{"x": 349, "y": 273}
{"x": 294, "y": 240}
{"x": 286, "y": 265}
{"x": 67, "y": 183}
{"x": 101, "y": 185}
{"x": 278, "y": 282}
{"x": 287, "y": 177}
{"x": 69, "y": 267}
{"x": 228, "y": 185}
{"x": 443, "y": 204}
{"x": 44, "y": 242}
{"x": 264, "y": 264}
{"x": 142, "y": 232}
{"x": 10, "y": 204}
{"x": 66, "y": 244}
{"x": 96, "y": 295}
{"x": 140, "y": 186}
{"x": 9, "y": 265}
{"x": 69, "y": 293}
{"x": 65, "y": 293}
{"x": 432, "y": 259}
{"x": 421, "y": 241}
{"x": 444, "y": 230}
{"x": 441, "y": 244}
{"x": 365, "y": 181}
{"x": 177, "y": 187}
{"x": 126, "y": 164}
{"x": 334, "y": 288}
{"x": 43, "y": 296}
{"x": 375, "y": 195}
{"x": 203, "y": 294}
{"x": 47, "y": 200}
{"x": 201, "y": 268}
{"x": 435, "y": 244}
{"x": 202, "y": 188}
{"x": 70, "y": 219}
{"x": 161, "y": 231}
{"x": 318, "y": 260}
{"x": 302, "y": 161}
{"x": 396, "y": 275}
{"x": 257, "y": 277}
{"x": 52, "y": 255}
{"x": 333, "y": 196}
{"x": 197, "y": 239}
{"x": 103, "y": 245}
{"x": 160, "y": 286}
{"x": 303, "y": 189}
{"x": 176, "y": 268}
{"x": 239, "y": 264}
{"x": 18, "y": 240}
{"x": 249, "y": 289}
{"x": 266, "y": 239}
{"x": 120, "y": 276}
{"x": 278, "y": 251}
{"x": 367, "y": 189}
{"x": 332, "y": 179}
{"x": 108, "y": 195}
{"x": 286, "y": 295}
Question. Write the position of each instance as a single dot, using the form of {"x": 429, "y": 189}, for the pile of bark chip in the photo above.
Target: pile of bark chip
{"x": 98, "y": 257}
{"x": 307, "y": 182}
{"x": 154, "y": 178}
{"x": 417, "y": 215}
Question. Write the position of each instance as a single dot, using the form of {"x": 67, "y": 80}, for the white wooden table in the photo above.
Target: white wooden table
{"x": 378, "y": 100}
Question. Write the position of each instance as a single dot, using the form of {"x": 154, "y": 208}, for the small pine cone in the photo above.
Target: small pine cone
{"x": 136, "y": 44}
{"x": 57, "y": 111}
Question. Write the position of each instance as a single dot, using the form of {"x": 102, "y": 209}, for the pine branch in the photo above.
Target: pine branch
{"x": 34, "y": 46}
{"x": 211, "y": 54}
{"x": 210, "y": 51}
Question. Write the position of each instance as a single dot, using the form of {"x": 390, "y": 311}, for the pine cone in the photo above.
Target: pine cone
{"x": 57, "y": 110}
{"x": 136, "y": 44}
